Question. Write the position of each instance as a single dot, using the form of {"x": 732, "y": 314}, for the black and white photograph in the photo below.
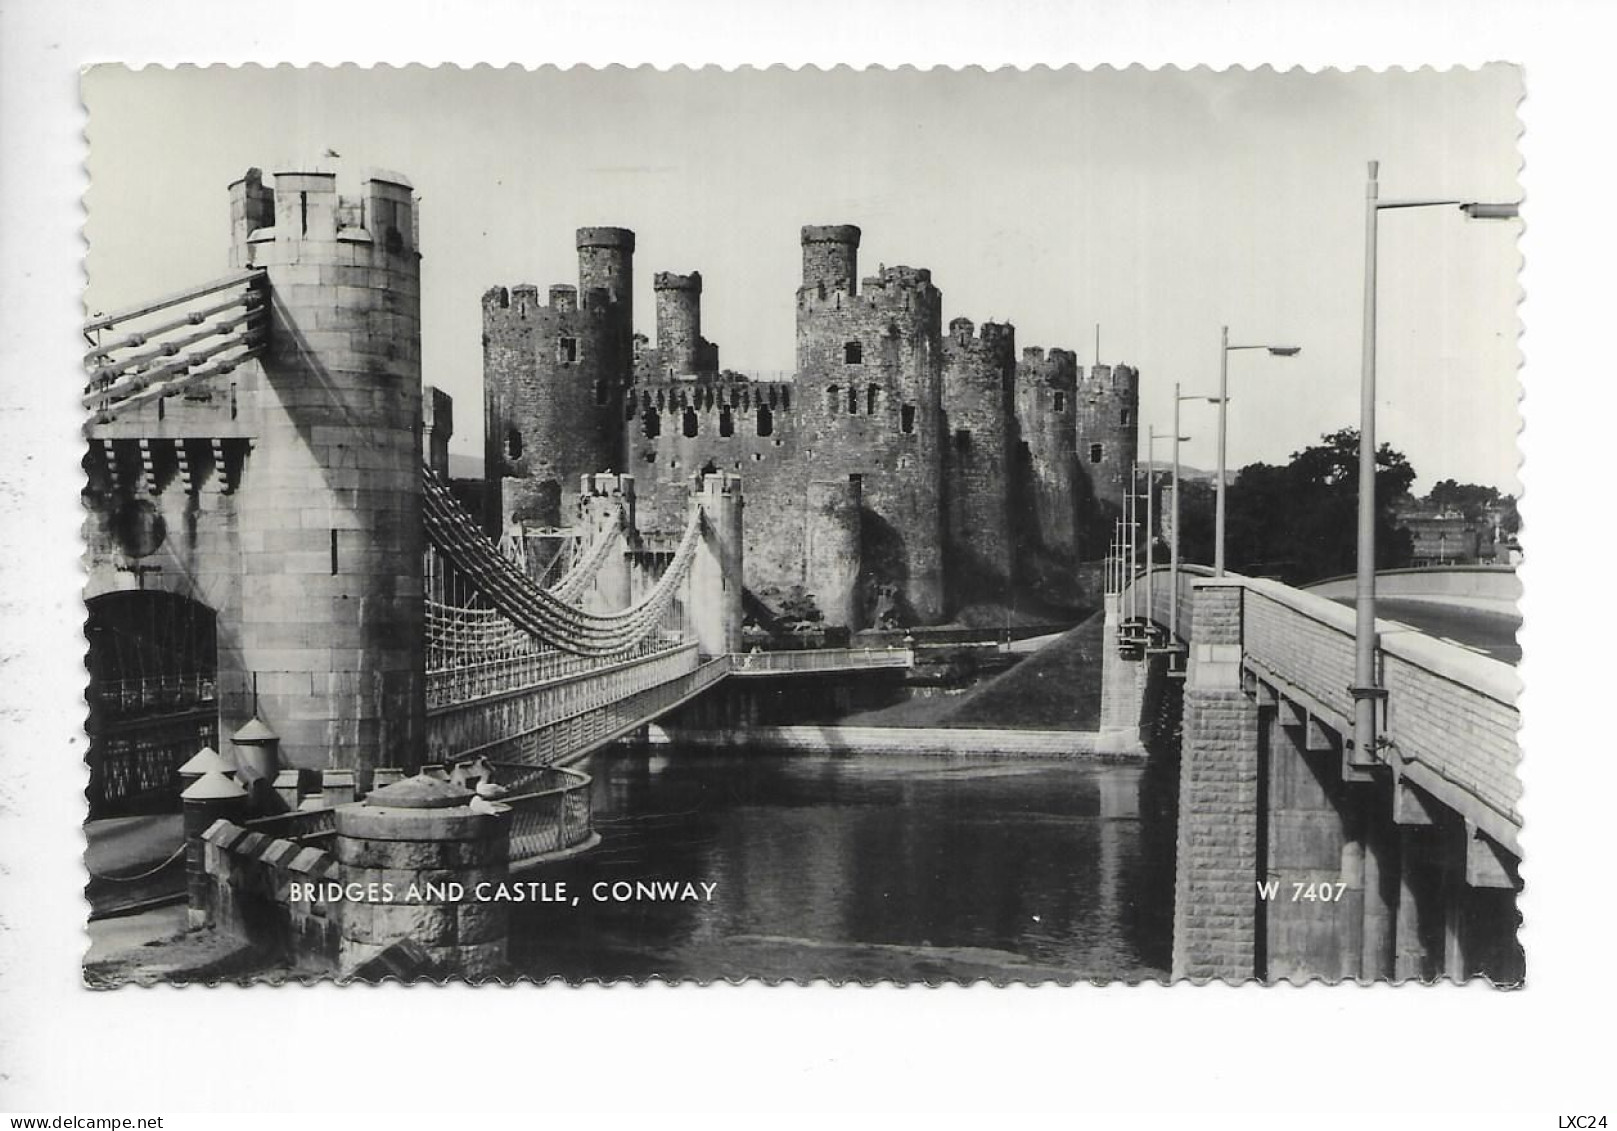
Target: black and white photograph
{"x": 624, "y": 524}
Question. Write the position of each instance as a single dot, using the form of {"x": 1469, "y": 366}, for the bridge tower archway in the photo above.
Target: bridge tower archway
{"x": 153, "y": 665}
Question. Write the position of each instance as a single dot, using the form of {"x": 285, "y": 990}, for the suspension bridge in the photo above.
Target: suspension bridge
{"x": 271, "y": 551}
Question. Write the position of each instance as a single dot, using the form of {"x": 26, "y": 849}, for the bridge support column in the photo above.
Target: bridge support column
{"x": 1215, "y": 923}
{"x": 329, "y": 649}
{"x": 431, "y": 845}
{"x": 1122, "y": 688}
{"x": 716, "y": 579}
{"x": 606, "y": 505}
{"x": 1313, "y": 931}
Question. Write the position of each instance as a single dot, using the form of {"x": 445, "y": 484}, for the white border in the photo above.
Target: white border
{"x": 65, "y": 1049}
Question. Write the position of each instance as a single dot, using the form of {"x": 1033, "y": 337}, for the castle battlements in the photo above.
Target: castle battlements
{"x": 931, "y": 458}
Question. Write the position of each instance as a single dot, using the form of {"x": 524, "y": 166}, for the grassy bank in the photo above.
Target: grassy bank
{"x": 1056, "y": 688}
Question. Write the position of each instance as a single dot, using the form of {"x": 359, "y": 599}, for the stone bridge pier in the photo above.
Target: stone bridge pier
{"x": 1300, "y": 857}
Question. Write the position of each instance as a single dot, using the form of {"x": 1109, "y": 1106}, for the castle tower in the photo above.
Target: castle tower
{"x": 831, "y": 258}
{"x": 1046, "y": 482}
{"x": 715, "y": 584}
{"x": 979, "y": 441}
{"x": 679, "y": 321}
{"x": 869, "y": 366}
{"x": 1108, "y": 445}
{"x": 330, "y": 644}
{"x": 554, "y": 376}
{"x": 606, "y": 263}
{"x": 832, "y": 550}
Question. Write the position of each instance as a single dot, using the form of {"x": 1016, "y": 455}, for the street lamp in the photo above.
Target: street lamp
{"x": 1173, "y": 543}
{"x": 1224, "y": 431}
{"x": 1366, "y": 691}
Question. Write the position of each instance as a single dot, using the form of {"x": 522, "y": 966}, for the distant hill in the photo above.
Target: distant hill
{"x": 464, "y": 466}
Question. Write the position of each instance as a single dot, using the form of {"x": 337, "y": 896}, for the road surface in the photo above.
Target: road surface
{"x": 1492, "y": 634}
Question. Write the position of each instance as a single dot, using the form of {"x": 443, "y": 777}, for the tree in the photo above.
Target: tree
{"x": 1300, "y": 521}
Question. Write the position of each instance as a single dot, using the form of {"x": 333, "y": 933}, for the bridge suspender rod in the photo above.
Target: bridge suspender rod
{"x": 134, "y": 382}
{"x": 250, "y": 298}
{"x": 533, "y": 608}
{"x": 180, "y": 384}
{"x": 573, "y": 583}
{"x": 102, "y": 321}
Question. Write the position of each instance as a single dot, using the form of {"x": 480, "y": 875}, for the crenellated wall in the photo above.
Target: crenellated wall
{"x": 870, "y": 369}
{"x": 1108, "y": 445}
{"x": 1046, "y": 387}
{"x": 964, "y": 459}
{"x": 553, "y": 382}
{"x": 981, "y": 437}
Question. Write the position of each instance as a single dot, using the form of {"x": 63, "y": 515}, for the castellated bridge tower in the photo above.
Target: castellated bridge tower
{"x": 553, "y": 383}
{"x": 328, "y": 644}
{"x": 1108, "y": 445}
{"x": 980, "y": 445}
{"x": 870, "y": 371}
{"x": 1046, "y": 411}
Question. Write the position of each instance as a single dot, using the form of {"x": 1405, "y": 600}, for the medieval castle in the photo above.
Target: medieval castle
{"x": 907, "y": 470}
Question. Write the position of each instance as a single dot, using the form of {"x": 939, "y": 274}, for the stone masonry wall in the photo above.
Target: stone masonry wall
{"x": 979, "y": 425}
{"x": 870, "y": 374}
{"x": 1215, "y": 898}
{"x": 1108, "y": 445}
{"x": 1046, "y": 413}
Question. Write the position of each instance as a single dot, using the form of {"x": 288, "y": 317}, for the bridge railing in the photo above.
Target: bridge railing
{"x": 572, "y": 715}
{"x": 1451, "y": 713}
{"x": 550, "y": 820}
{"x": 167, "y": 693}
{"x": 461, "y": 683}
{"x": 820, "y": 660}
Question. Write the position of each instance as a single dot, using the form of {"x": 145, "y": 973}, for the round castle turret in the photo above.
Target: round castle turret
{"x": 679, "y": 320}
{"x": 870, "y": 364}
{"x": 1046, "y": 414}
{"x": 979, "y": 436}
{"x": 831, "y": 257}
{"x": 330, "y": 644}
{"x": 1108, "y": 445}
{"x": 553, "y": 383}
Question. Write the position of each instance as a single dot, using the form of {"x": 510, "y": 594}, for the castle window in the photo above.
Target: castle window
{"x": 1095, "y": 453}
{"x": 906, "y": 419}
{"x": 566, "y": 350}
{"x": 690, "y": 422}
{"x": 1061, "y": 402}
{"x": 600, "y": 392}
{"x": 853, "y": 401}
{"x": 833, "y": 399}
{"x": 853, "y": 353}
{"x": 785, "y": 398}
{"x": 1125, "y": 418}
{"x": 651, "y": 423}
{"x": 727, "y": 423}
{"x": 766, "y": 421}
{"x": 870, "y": 400}
{"x": 962, "y": 438}
{"x": 513, "y": 444}
{"x": 757, "y": 457}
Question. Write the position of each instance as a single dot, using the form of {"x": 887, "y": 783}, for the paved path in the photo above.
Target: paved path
{"x": 125, "y": 858}
{"x": 119, "y": 846}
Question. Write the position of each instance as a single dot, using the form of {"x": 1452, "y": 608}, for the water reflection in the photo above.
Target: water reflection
{"x": 864, "y": 867}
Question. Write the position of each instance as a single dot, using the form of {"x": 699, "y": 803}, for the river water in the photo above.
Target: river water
{"x": 848, "y": 866}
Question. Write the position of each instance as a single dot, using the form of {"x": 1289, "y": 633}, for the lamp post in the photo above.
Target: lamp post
{"x": 1224, "y": 431}
{"x": 1366, "y": 691}
{"x": 1151, "y": 438}
{"x": 1173, "y": 542}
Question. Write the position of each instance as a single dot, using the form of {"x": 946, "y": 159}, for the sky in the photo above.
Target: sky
{"x": 1156, "y": 205}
